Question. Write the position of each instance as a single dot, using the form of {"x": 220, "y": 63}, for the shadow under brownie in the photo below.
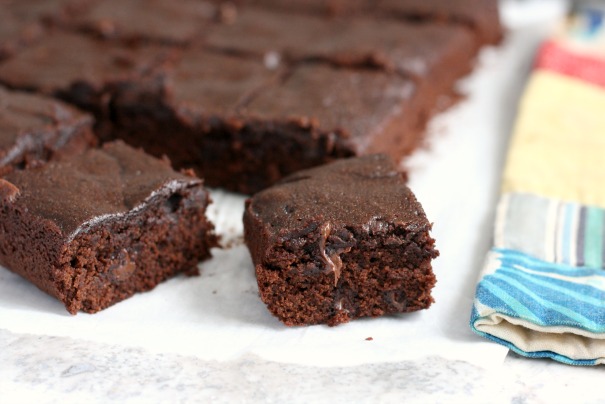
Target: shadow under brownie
{"x": 341, "y": 241}
{"x": 96, "y": 228}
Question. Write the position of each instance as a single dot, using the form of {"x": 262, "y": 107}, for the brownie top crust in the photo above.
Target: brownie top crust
{"x": 268, "y": 34}
{"x": 92, "y": 187}
{"x": 213, "y": 83}
{"x": 329, "y": 8}
{"x": 366, "y": 192}
{"x": 165, "y": 21}
{"x": 68, "y": 59}
{"x": 30, "y": 117}
{"x": 396, "y": 46}
{"x": 349, "y": 103}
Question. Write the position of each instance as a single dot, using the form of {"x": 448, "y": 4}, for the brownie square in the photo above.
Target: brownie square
{"x": 438, "y": 51}
{"x": 36, "y": 129}
{"x": 164, "y": 21}
{"x": 96, "y": 228}
{"x": 351, "y": 112}
{"x": 80, "y": 70}
{"x": 191, "y": 116}
{"x": 339, "y": 242}
{"x": 330, "y": 8}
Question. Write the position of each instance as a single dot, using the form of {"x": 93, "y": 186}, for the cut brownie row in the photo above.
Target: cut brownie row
{"x": 241, "y": 125}
{"x": 91, "y": 226}
{"x": 257, "y": 99}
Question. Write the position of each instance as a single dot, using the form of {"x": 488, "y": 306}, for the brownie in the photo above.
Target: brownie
{"x": 196, "y": 103}
{"x": 35, "y": 129}
{"x": 339, "y": 242}
{"x": 243, "y": 126}
{"x": 480, "y": 16}
{"x": 351, "y": 112}
{"x": 96, "y": 228}
{"x": 80, "y": 70}
{"x": 164, "y": 21}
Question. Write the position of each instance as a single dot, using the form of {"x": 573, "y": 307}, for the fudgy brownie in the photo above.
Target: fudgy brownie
{"x": 341, "y": 241}
{"x": 351, "y": 112}
{"x": 35, "y": 129}
{"x": 93, "y": 229}
{"x": 80, "y": 70}
{"x": 164, "y": 21}
{"x": 191, "y": 116}
{"x": 242, "y": 127}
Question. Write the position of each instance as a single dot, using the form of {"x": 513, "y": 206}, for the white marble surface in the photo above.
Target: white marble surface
{"x": 59, "y": 369}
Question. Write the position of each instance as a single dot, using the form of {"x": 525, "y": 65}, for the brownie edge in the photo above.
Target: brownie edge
{"x": 339, "y": 242}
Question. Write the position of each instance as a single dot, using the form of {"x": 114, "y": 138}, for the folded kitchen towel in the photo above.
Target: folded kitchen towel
{"x": 542, "y": 289}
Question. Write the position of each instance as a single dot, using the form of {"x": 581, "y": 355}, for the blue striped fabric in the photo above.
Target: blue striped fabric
{"x": 539, "y": 295}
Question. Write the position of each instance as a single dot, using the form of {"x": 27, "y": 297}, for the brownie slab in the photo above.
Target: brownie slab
{"x": 80, "y": 70}
{"x": 96, "y": 228}
{"x": 163, "y": 21}
{"x": 36, "y": 129}
{"x": 339, "y": 242}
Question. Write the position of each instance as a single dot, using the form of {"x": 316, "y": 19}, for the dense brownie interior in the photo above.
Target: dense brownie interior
{"x": 95, "y": 228}
{"x": 339, "y": 242}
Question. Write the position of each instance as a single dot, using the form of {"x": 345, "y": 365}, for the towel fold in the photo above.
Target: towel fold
{"x": 542, "y": 289}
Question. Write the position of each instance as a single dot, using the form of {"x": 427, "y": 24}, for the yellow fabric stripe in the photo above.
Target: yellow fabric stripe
{"x": 558, "y": 146}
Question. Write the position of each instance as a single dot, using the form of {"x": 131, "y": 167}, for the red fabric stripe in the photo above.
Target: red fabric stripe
{"x": 554, "y": 57}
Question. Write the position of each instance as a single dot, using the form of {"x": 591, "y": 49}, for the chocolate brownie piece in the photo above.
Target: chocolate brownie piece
{"x": 96, "y": 228}
{"x": 481, "y": 16}
{"x": 80, "y": 70}
{"x": 341, "y": 241}
{"x": 196, "y": 103}
{"x": 35, "y": 129}
{"x": 165, "y": 21}
{"x": 242, "y": 127}
{"x": 352, "y": 112}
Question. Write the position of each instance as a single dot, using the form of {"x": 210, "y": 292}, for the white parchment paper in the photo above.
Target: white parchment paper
{"x": 219, "y": 314}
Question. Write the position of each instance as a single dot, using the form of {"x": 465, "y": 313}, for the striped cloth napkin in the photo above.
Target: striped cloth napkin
{"x": 542, "y": 289}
